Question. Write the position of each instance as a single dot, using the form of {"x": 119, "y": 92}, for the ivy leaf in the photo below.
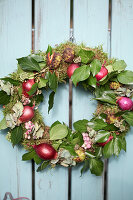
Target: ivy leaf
{"x": 81, "y": 125}
{"x": 102, "y": 136}
{"x": 43, "y": 166}
{"x": 80, "y": 74}
{"x": 16, "y": 135}
{"x": 51, "y": 101}
{"x": 97, "y": 124}
{"x": 49, "y": 50}
{"x": 117, "y": 146}
{"x": 58, "y": 132}
{"x": 128, "y": 116}
{"x": 95, "y": 67}
{"x": 108, "y": 149}
{"x": 33, "y": 89}
{"x": 29, "y": 64}
{"x": 125, "y": 77}
{"x": 53, "y": 81}
{"x": 42, "y": 83}
{"x": 85, "y": 167}
{"x": 38, "y": 58}
{"x": 10, "y": 80}
{"x": 119, "y": 65}
{"x": 92, "y": 81}
{"x": 86, "y": 55}
{"x": 96, "y": 166}
{"x": 3, "y": 124}
{"x": 4, "y": 98}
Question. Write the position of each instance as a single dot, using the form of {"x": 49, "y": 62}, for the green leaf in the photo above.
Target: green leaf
{"x": 128, "y": 116}
{"x": 58, "y": 132}
{"x": 80, "y": 74}
{"x": 117, "y": 146}
{"x": 110, "y": 127}
{"x": 124, "y": 144}
{"x": 125, "y": 77}
{"x": 107, "y": 96}
{"x": 49, "y": 49}
{"x": 53, "y": 81}
{"x": 38, "y": 58}
{"x": 96, "y": 166}
{"x": 55, "y": 123}
{"x": 70, "y": 149}
{"x": 42, "y": 83}
{"x": 16, "y": 135}
{"x": 119, "y": 65}
{"x": 97, "y": 124}
{"x": 90, "y": 154}
{"x": 51, "y": 101}
{"x": 95, "y": 67}
{"x": 32, "y": 155}
{"x": 108, "y": 149}
{"x": 43, "y": 166}
{"x": 12, "y": 81}
{"x": 39, "y": 98}
{"x": 3, "y": 124}
{"x": 86, "y": 56}
{"x": 81, "y": 125}
{"x": 85, "y": 167}
{"x": 92, "y": 81}
{"x": 33, "y": 89}
{"x": 4, "y": 98}
{"x": 102, "y": 136}
{"x": 29, "y": 64}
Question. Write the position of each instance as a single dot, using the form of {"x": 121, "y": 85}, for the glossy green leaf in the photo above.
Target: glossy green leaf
{"x": 117, "y": 146}
{"x": 128, "y": 116}
{"x": 53, "y": 81}
{"x": 95, "y": 67}
{"x": 3, "y": 124}
{"x": 97, "y": 124}
{"x": 81, "y": 125}
{"x": 125, "y": 77}
{"x": 108, "y": 149}
{"x": 43, "y": 166}
{"x": 96, "y": 166}
{"x": 12, "y": 81}
{"x": 102, "y": 136}
{"x": 16, "y": 135}
{"x": 86, "y": 55}
{"x": 119, "y": 65}
{"x": 80, "y": 74}
{"x": 51, "y": 101}
{"x": 4, "y": 98}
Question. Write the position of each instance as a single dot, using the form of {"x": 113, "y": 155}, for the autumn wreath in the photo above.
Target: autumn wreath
{"x": 102, "y": 136}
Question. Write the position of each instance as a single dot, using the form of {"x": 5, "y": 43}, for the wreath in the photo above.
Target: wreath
{"x": 102, "y": 136}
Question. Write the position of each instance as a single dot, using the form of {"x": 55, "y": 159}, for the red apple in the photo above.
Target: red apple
{"x": 45, "y": 151}
{"x": 103, "y": 72}
{"x": 103, "y": 143}
{"x": 71, "y": 69}
{"x": 28, "y": 114}
{"x": 125, "y": 103}
{"x": 27, "y": 85}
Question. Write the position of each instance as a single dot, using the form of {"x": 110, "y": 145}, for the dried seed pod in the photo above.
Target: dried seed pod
{"x": 68, "y": 55}
{"x": 114, "y": 85}
{"x": 54, "y": 60}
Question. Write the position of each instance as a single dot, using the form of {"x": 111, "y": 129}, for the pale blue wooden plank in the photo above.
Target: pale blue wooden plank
{"x": 52, "y": 27}
{"x": 91, "y": 28}
{"x": 120, "y": 170}
{"x": 15, "y": 42}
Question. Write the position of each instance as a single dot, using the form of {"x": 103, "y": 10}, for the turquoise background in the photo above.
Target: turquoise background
{"x": 52, "y": 26}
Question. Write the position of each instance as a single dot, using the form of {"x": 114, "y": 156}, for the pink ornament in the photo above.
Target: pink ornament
{"x": 125, "y": 103}
{"x": 103, "y": 72}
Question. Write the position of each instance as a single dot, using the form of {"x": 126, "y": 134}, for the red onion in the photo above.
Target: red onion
{"x": 28, "y": 114}
{"x": 26, "y": 86}
{"x": 125, "y": 103}
{"x": 103, "y": 143}
{"x": 71, "y": 69}
{"x": 45, "y": 151}
{"x": 103, "y": 72}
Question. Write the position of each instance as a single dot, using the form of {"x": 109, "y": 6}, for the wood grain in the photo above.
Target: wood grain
{"x": 15, "y": 42}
